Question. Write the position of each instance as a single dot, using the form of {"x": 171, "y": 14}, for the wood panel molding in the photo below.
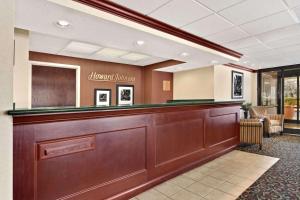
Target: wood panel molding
{"x": 126, "y": 13}
{"x": 115, "y": 155}
{"x": 240, "y": 67}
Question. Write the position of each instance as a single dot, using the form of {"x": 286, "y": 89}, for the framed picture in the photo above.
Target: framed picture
{"x": 102, "y": 97}
{"x": 237, "y": 85}
{"x": 125, "y": 94}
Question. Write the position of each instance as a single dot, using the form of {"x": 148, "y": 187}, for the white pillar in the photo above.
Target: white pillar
{"x": 6, "y": 96}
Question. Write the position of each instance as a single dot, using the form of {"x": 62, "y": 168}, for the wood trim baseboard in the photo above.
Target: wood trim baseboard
{"x": 126, "y": 13}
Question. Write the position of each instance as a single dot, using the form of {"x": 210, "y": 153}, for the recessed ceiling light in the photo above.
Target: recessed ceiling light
{"x": 135, "y": 57}
{"x": 214, "y": 62}
{"x": 245, "y": 62}
{"x": 140, "y": 42}
{"x": 184, "y": 54}
{"x": 112, "y": 53}
{"x": 62, "y": 23}
{"x": 81, "y": 48}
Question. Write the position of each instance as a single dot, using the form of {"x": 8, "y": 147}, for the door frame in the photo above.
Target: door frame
{"x": 287, "y": 74}
{"x": 59, "y": 65}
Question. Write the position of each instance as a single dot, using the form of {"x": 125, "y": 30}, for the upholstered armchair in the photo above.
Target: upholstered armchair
{"x": 251, "y": 131}
{"x": 273, "y": 123}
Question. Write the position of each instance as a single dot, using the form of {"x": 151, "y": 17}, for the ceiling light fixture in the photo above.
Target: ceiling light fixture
{"x": 135, "y": 57}
{"x": 184, "y": 54}
{"x": 81, "y": 48}
{"x": 111, "y": 53}
{"x": 140, "y": 42}
{"x": 245, "y": 62}
{"x": 214, "y": 62}
{"x": 62, "y": 23}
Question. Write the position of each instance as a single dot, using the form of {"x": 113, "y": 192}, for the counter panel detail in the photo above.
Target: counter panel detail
{"x": 116, "y": 154}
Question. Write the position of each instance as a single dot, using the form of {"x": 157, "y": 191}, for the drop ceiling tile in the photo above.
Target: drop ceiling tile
{"x": 46, "y": 43}
{"x": 268, "y": 23}
{"x": 228, "y": 35}
{"x": 284, "y": 42}
{"x": 144, "y": 7}
{"x": 218, "y": 5}
{"x": 242, "y": 43}
{"x": 292, "y": 3}
{"x": 292, "y": 48}
{"x": 253, "y": 49}
{"x": 250, "y": 10}
{"x": 208, "y": 25}
{"x": 281, "y": 33}
{"x": 178, "y": 12}
{"x": 296, "y": 11}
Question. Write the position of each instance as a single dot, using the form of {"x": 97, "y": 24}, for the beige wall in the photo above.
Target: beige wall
{"x": 6, "y": 97}
{"x": 222, "y": 79}
{"x": 194, "y": 84}
{"x": 212, "y": 83}
{"x": 22, "y": 70}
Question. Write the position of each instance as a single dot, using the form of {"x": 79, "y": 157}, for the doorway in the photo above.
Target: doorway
{"x": 291, "y": 99}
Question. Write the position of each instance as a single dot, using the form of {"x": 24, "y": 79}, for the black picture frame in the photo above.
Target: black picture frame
{"x": 118, "y": 95}
{"x": 96, "y": 102}
{"x": 237, "y": 85}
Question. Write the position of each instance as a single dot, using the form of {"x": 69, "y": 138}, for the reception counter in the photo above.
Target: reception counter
{"x": 116, "y": 152}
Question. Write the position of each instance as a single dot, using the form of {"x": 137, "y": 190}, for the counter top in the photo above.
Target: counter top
{"x": 41, "y": 111}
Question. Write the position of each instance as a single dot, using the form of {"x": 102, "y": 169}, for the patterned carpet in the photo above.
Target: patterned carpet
{"x": 282, "y": 181}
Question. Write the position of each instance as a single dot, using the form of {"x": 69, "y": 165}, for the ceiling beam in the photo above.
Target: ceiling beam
{"x": 128, "y": 14}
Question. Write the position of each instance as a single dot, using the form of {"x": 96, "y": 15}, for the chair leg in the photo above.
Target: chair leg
{"x": 268, "y": 135}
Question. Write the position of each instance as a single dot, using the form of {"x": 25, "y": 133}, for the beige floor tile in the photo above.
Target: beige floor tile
{"x": 212, "y": 165}
{"x": 220, "y": 175}
{"x": 219, "y": 195}
{"x": 194, "y": 175}
{"x": 204, "y": 170}
{"x": 151, "y": 195}
{"x": 223, "y": 178}
{"x": 168, "y": 189}
{"x": 199, "y": 189}
{"x": 232, "y": 189}
{"x": 211, "y": 181}
{"x": 182, "y": 181}
{"x": 234, "y": 179}
{"x": 186, "y": 195}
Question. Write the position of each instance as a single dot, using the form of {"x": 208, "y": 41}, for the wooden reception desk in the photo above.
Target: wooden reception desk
{"x": 116, "y": 152}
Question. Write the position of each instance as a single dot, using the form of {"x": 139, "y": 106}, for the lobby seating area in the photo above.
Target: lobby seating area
{"x": 251, "y": 131}
{"x": 273, "y": 123}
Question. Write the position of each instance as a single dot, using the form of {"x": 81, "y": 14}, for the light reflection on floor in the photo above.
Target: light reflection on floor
{"x": 291, "y": 126}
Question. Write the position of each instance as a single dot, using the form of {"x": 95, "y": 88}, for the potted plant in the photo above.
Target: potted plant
{"x": 245, "y": 108}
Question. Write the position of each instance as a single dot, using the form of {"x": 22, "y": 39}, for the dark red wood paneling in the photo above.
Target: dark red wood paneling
{"x": 132, "y": 150}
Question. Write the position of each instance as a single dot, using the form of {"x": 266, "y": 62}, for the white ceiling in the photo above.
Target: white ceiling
{"x": 267, "y": 32}
{"x": 40, "y": 16}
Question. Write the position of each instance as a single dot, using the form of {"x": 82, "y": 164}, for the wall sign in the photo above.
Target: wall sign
{"x": 94, "y": 76}
{"x": 166, "y": 85}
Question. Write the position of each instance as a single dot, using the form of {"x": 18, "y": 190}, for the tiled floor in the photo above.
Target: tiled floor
{"x": 223, "y": 178}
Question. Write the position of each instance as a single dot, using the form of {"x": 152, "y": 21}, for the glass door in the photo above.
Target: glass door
{"x": 291, "y": 99}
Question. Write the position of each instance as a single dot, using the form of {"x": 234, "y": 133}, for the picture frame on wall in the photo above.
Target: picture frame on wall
{"x": 125, "y": 95}
{"x": 237, "y": 85}
{"x": 102, "y": 97}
